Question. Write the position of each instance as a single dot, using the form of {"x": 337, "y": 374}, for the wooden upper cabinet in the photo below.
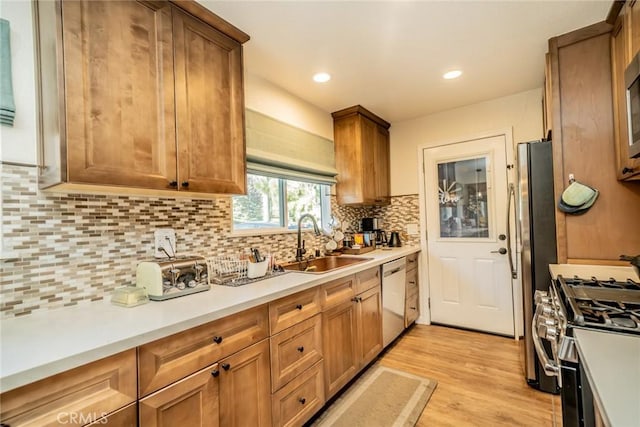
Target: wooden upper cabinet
{"x": 622, "y": 41}
{"x": 118, "y": 83}
{"x": 362, "y": 157}
{"x": 146, "y": 96}
{"x": 209, "y": 108}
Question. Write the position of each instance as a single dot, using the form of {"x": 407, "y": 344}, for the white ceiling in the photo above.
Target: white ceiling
{"x": 389, "y": 56}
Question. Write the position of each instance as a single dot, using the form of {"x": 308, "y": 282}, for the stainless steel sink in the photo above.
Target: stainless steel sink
{"x": 323, "y": 264}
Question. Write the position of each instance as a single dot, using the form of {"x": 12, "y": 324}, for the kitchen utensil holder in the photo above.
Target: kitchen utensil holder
{"x": 258, "y": 269}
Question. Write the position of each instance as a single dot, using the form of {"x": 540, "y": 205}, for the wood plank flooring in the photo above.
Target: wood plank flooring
{"x": 480, "y": 379}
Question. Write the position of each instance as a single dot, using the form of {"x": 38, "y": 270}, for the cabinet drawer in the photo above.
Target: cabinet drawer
{"x": 86, "y": 392}
{"x": 295, "y": 350}
{"x": 293, "y": 309}
{"x": 338, "y": 291}
{"x": 411, "y": 309}
{"x": 412, "y": 282}
{"x": 412, "y": 261}
{"x": 367, "y": 279}
{"x": 167, "y": 360}
{"x": 296, "y": 402}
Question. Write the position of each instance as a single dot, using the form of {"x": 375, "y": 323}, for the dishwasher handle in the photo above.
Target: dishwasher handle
{"x": 394, "y": 271}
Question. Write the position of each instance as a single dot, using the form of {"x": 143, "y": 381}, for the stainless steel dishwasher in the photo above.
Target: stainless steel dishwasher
{"x": 393, "y": 294}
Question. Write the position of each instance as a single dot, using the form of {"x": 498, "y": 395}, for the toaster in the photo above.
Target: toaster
{"x": 173, "y": 277}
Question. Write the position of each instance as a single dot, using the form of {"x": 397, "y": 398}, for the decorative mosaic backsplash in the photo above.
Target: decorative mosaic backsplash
{"x": 66, "y": 249}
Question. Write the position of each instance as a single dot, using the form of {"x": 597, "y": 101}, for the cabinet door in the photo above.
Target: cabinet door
{"x": 192, "y": 401}
{"x": 339, "y": 343}
{"x": 381, "y": 166}
{"x": 346, "y": 135}
{"x": 368, "y": 138}
{"x": 209, "y": 108}
{"x": 632, "y": 18}
{"x": 369, "y": 315}
{"x": 245, "y": 387}
{"x": 119, "y": 93}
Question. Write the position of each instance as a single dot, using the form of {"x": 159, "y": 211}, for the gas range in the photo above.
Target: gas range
{"x": 605, "y": 304}
{"x": 600, "y": 298}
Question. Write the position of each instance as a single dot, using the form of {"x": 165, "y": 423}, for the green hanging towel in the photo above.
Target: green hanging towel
{"x": 7, "y": 105}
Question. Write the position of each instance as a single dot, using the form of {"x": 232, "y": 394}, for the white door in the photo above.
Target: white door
{"x": 466, "y": 193}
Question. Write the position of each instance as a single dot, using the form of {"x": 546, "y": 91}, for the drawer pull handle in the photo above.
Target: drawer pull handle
{"x": 217, "y": 340}
{"x": 301, "y": 349}
{"x": 413, "y": 308}
{"x": 302, "y": 400}
{"x": 173, "y": 183}
{"x": 356, "y": 299}
{"x": 412, "y": 282}
{"x": 226, "y": 366}
{"x": 215, "y": 373}
{"x": 299, "y": 306}
{"x": 185, "y": 184}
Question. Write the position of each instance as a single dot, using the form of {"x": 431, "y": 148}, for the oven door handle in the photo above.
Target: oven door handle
{"x": 550, "y": 367}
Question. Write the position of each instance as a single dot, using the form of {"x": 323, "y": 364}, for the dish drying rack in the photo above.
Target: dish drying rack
{"x": 231, "y": 270}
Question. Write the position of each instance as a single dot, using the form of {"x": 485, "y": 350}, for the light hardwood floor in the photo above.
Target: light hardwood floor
{"x": 480, "y": 379}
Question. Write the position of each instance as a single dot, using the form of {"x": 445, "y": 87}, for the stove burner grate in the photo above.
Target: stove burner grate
{"x": 611, "y": 283}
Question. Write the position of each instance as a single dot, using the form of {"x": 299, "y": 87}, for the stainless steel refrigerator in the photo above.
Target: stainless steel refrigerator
{"x": 537, "y": 231}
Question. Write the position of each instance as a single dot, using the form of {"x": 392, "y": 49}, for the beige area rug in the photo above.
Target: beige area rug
{"x": 379, "y": 398}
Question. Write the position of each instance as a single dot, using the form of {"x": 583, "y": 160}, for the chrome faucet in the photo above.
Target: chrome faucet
{"x": 300, "y": 250}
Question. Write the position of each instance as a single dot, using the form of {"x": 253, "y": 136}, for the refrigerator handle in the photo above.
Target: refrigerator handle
{"x": 512, "y": 195}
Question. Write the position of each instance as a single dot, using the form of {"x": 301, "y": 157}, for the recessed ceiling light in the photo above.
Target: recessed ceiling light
{"x": 321, "y": 77}
{"x": 453, "y": 74}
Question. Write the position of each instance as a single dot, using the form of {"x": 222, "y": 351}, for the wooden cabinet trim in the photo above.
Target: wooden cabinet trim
{"x": 166, "y": 360}
{"x": 359, "y": 109}
{"x": 210, "y": 18}
{"x": 293, "y": 309}
{"x": 92, "y": 390}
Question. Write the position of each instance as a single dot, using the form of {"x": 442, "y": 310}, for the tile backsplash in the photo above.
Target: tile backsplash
{"x": 66, "y": 249}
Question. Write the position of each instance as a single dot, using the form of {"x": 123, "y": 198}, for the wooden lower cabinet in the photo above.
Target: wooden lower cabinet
{"x": 352, "y": 337}
{"x": 76, "y": 397}
{"x": 192, "y": 401}
{"x": 369, "y": 325}
{"x": 245, "y": 387}
{"x": 340, "y": 346}
{"x": 297, "y": 401}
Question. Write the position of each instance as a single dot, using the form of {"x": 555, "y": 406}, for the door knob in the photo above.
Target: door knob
{"x": 500, "y": 251}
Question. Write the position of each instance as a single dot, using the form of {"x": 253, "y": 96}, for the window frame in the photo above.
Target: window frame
{"x": 323, "y": 221}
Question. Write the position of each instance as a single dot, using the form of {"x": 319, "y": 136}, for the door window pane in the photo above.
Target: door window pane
{"x": 462, "y": 198}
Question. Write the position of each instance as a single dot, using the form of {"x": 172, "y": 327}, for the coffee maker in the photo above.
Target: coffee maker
{"x": 373, "y": 225}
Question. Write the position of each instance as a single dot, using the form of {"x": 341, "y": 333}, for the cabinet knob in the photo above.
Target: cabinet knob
{"x": 354, "y": 299}
{"x": 226, "y": 366}
{"x": 173, "y": 184}
{"x": 185, "y": 184}
{"x": 299, "y": 306}
{"x": 301, "y": 349}
{"x": 217, "y": 340}
{"x": 302, "y": 400}
{"x": 626, "y": 170}
{"x": 215, "y": 373}
{"x": 413, "y": 308}
{"x": 412, "y": 282}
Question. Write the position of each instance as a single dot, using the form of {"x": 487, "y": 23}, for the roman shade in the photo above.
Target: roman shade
{"x": 280, "y": 150}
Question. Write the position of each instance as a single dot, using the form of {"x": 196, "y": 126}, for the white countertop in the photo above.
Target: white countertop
{"x": 49, "y": 342}
{"x": 612, "y": 366}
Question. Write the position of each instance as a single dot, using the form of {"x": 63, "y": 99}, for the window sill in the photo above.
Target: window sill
{"x": 264, "y": 232}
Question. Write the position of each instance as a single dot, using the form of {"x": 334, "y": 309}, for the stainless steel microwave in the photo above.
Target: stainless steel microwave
{"x": 632, "y": 83}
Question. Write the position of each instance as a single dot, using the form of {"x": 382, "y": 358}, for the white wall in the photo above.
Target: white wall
{"x": 521, "y": 112}
{"x": 19, "y": 142}
{"x": 271, "y": 100}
